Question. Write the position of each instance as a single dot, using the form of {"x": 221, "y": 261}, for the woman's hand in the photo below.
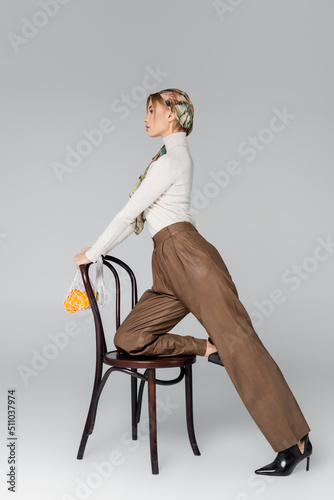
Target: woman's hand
{"x": 81, "y": 258}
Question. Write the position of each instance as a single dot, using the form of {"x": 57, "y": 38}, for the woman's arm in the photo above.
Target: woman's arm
{"x": 159, "y": 177}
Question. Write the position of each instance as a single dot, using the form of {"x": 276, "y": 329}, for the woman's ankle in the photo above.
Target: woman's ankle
{"x": 210, "y": 349}
{"x": 301, "y": 445}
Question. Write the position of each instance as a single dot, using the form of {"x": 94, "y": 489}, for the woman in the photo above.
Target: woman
{"x": 189, "y": 275}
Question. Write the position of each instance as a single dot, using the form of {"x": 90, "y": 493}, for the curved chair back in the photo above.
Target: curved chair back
{"x": 84, "y": 269}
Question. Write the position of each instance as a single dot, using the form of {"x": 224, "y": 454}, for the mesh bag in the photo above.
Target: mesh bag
{"x": 76, "y": 297}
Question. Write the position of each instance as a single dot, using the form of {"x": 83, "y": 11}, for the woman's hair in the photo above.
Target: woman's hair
{"x": 179, "y": 104}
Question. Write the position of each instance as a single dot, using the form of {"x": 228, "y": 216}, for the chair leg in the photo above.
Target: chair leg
{"x": 140, "y": 397}
{"x": 134, "y": 406}
{"x": 152, "y": 412}
{"x": 88, "y": 429}
{"x": 90, "y": 422}
{"x": 189, "y": 409}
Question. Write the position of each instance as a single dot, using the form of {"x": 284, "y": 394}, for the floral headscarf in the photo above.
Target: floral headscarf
{"x": 181, "y": 105}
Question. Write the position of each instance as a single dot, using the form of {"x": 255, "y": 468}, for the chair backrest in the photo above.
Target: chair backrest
{"x": 84, "y": 269}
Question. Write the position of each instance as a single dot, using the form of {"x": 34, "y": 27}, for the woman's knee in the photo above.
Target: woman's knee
{"x": 126, "y": 341}
{"x": 120, "y": 340}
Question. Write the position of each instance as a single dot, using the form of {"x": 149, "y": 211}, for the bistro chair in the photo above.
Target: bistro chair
{"x": 117, "y": 361}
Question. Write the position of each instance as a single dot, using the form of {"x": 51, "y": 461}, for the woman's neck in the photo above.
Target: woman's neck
{"x": 174, "y": 139}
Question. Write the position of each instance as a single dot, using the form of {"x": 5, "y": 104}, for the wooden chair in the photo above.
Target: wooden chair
{"x": 121, "y": 362}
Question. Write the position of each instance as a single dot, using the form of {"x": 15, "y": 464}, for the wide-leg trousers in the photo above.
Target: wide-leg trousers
{"x": 189, "y": 275}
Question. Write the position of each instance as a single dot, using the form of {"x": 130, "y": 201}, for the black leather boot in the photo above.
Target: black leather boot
{"x": 287, "y": 460}
{"x": 214, "y": 357}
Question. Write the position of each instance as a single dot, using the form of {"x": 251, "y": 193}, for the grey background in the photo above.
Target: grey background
{"x": 236, "y": 68}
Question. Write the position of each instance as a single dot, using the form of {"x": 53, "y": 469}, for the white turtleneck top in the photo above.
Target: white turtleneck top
{"x": 164, "y": 196}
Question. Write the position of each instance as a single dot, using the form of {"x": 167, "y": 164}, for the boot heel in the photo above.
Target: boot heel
{"x": 308, "y": 463}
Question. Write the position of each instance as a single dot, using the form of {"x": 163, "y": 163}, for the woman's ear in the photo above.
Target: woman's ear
{"x": 171, "y": 116}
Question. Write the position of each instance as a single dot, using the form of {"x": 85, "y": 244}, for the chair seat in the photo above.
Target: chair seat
{"x": 123, "y": 360}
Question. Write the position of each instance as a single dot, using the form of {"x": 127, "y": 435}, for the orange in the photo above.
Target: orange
{"x": 77, "y": 301}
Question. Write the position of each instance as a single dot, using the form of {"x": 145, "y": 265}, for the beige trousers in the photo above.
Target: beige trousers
{"x": 189, "y": 275}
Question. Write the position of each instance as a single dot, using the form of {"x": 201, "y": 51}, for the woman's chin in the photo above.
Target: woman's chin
{"x": 151, "y": 134}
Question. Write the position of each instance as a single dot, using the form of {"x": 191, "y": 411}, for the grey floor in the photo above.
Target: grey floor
{"x": 51, "y": 415}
